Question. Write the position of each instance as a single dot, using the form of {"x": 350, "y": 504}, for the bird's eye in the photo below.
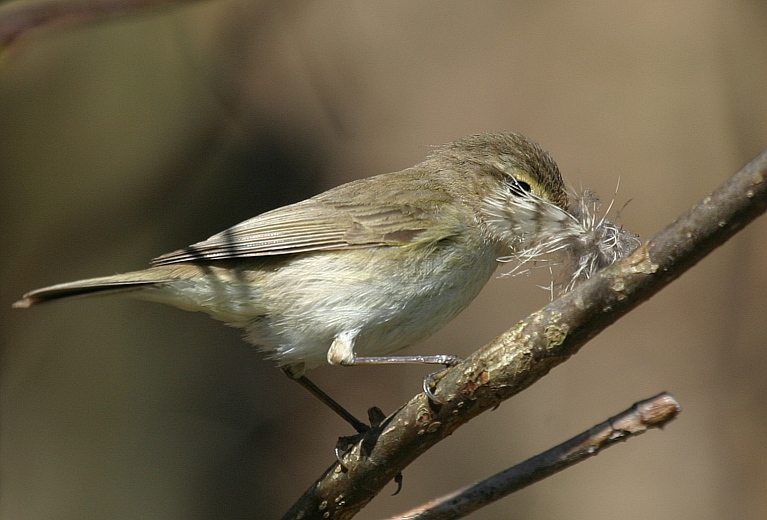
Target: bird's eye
{"x": 519, "y": 187}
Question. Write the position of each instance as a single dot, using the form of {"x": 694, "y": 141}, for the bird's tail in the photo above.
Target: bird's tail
{"x": 106, "y": 284}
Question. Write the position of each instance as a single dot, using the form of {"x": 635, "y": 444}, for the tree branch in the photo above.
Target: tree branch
{"x": 655, "y": 412}
{"x": 529, "y": 350}
{"x": 15, "y": 21}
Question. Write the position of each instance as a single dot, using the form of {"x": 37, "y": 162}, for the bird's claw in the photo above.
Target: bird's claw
{"x": 375, "y": 416}
{"x": 398, "y": 480}
{"x": 431, "y": 380}
{"x": 344, "y": 444}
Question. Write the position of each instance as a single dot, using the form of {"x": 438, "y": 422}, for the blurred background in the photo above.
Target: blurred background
{"x": 126, "y": 139}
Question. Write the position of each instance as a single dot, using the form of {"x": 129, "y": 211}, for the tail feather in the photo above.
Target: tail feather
{"x": 118, "y": 283}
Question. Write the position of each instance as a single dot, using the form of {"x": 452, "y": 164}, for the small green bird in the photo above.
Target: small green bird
{"x": 375, "y": 265}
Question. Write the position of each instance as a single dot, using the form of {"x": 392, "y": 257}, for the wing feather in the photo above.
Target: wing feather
{"x": 337, "y": 219}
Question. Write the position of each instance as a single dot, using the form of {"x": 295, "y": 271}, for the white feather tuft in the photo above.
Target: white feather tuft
{"x": 542, "y": 234}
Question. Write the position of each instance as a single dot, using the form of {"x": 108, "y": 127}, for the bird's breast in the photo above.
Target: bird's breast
{"x": 392, "y": 297}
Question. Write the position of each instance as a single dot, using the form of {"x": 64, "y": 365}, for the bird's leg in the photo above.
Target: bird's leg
{"x": 331, "y": 403}
{"x": 429, "y": 381}
{"x": 341, "y": 352}
{"x": 345, "y": 442}
{"x": 439, "y": 359}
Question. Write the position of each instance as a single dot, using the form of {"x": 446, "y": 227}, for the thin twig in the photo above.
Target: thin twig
{"x": 655, "y": 412}
{"x": 528, "y": 351}
{"x": 15, "y": 21}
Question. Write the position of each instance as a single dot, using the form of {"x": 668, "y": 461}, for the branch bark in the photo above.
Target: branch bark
{"x": 529, "y": 350}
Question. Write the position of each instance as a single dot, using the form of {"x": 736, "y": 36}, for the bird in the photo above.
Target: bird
{"x": 370, "y": 267}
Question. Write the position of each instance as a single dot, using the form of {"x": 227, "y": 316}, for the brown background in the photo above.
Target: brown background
{"x": 123, "y": 140}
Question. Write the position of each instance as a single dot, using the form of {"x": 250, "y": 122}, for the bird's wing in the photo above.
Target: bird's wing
{"x": 326, "y": 222}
